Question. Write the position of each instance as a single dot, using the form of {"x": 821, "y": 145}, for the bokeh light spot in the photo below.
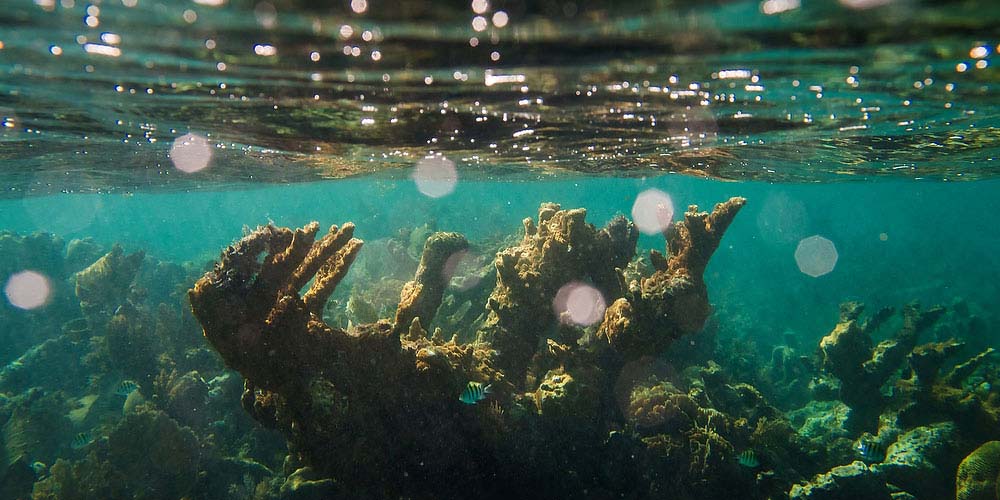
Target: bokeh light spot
{"x": 266, "y": 14}
{"x": 435, "y": 176}
{"x": 462, "y": 269}
{"x": 191, "y": 153}
{"x": 480, "y": 6}
{"x": 500, "y": 19}
{"x": 579, "y": 304}
{"x": 816, "y": 256}
{"x": 27, "y": 289}
{"x": 782, "y": 219}
{"x": 864, "y": 4}
{"x": 653, "y": 211}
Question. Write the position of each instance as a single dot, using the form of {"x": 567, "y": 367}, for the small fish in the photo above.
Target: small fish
{"x": 748, "y": 459}
{"x": 126, "y": 387}
{"x": 474, "y": 392}
{"x": 81, "y": 440}
{"x": 870, "y": 450}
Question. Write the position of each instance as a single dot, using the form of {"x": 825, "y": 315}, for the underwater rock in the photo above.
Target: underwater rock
{"x": 17, "y": 478}
{"x": 41, "y": 253}
{"x": 104, "y": 285}
{"x": 977, "y": 474}
{"x": 130, "y": 345}
{"x": 822, "y": 423}
{"x": 661, "y": 407}
{"x": 159, "y": 458}
{"x": 673, "y": 300}
{"x": 81, "y": 480}
{"x": 920, "y": 461}
{"x": 33, "y": 368}
{"x": 855, "y": 481}
{"x": 145, "y": 456}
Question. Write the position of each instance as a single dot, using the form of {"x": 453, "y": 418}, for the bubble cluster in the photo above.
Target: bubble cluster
{"x": 653, "y": 211}
{"x": 27, "y": 290}
{"x": 579, "y": 304}
{"x": 816, "y": 256}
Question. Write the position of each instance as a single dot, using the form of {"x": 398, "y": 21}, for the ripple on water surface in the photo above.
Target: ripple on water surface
{"x": 286, "y": 91}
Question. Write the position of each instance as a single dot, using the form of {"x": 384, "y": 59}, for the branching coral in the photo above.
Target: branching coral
{"x": 341, "y": 398}
{"x": 561, "y": 247}
{"x": 673, "y": 301}
{"x": 848, "y": 354}
{"x": 377, "y": 408}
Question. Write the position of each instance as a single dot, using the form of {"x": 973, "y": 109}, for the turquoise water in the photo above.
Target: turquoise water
{"x": 141, "y": 138}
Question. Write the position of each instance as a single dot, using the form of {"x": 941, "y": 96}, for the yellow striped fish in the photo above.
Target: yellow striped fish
{"x": 126, "y": 387}
{"x": 81, "y": 440}
{"x": 474, "y": 392}
{"x": 748, "y": 459}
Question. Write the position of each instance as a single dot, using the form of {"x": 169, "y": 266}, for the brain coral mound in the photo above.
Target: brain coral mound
{"x": 977, "y": 474}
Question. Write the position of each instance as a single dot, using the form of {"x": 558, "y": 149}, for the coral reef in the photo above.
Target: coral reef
{"x": 560, "y": 248}
{"x": 848, "y": 354}
{"x": 673, "y": 300}
{"x": 921, "y": 460}
{"x": 421, "y": 297}
{"x": 104, "y": 285}
{"x": 351, "y": 385}
{"x": 146, "y": 455}
{"x": 856, "y": 481}
{"x": 376, "y": 408}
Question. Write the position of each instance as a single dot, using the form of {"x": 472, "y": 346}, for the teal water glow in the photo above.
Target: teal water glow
{"x": 864, "y": 135}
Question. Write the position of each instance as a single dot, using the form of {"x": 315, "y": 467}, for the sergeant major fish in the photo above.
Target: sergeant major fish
{"x": 474, "y": 392}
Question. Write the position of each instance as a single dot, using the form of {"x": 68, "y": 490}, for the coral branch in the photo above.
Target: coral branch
{"x": 560, "y": 249}
{"x": 330, "y": 274}
{"x": 673, "y": 301}
{"x": 421, "y": 297}
{"x": 862, "y": 369}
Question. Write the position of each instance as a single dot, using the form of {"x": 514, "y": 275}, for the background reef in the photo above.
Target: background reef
{"x": 258, "y": 377}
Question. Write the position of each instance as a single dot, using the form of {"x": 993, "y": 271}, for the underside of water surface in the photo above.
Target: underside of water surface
{"x": 301, "y": 249}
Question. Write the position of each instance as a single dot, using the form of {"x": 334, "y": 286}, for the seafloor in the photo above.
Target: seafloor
{"x": 627, "y": 390}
